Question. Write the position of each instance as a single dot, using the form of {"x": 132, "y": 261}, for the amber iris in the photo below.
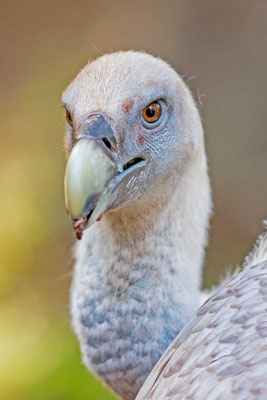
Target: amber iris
{"x": 69, "y": 118}
{"x": 152, "y": 112}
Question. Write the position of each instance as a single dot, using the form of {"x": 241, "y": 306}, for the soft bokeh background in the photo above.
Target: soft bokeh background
{"x": 218, "y": 47}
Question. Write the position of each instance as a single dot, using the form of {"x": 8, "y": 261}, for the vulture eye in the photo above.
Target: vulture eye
{"x": 69, "y": 118}
{"x": 152, "y": 112}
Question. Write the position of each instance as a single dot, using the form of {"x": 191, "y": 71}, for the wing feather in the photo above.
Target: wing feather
{"x": 222, "y": 352}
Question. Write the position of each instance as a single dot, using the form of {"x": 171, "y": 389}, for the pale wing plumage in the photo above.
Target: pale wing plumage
{"x": 222, "y": 352}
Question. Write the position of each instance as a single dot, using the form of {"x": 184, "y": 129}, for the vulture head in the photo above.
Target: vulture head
{"x": 133, "y": 129}
{"x": 136, "y": 177}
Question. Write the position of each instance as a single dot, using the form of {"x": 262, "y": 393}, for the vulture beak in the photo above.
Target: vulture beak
{"x": 93, "y": 173}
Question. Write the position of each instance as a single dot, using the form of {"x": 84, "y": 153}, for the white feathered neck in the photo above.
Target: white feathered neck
{"x": 137, "y": 279}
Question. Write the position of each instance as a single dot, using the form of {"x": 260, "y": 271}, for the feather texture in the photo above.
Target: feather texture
{"x": 222, "y": 352}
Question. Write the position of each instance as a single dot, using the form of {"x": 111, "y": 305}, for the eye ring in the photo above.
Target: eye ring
{"x": 152, "y": 113}
{"x": 69, "y": 118}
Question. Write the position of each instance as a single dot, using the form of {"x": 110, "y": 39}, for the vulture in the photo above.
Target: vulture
{"x": 136, "y": 177}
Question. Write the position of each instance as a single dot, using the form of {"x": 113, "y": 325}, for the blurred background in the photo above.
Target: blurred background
{"x": 218, "y": 47}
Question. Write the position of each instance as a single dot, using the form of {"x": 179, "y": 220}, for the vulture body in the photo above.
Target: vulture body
{"x": 137, "y": 176}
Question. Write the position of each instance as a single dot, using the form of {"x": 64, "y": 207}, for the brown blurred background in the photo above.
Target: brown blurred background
{"x": 218, "y": 47}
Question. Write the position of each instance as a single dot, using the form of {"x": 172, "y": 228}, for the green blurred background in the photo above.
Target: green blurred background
{"x": 218, "y": 47}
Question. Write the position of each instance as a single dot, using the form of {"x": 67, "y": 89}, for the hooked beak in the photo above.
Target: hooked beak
{"x": 92, "y": 174}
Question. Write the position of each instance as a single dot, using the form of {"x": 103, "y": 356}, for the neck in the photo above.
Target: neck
{"x": 139, "y": 271}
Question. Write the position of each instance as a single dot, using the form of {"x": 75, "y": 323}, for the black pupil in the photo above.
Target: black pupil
{"x": 69, "y": 116}
{"x": 150, "y": 112}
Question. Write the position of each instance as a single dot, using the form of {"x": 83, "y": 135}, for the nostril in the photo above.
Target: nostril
{"x": 107, "y": 143}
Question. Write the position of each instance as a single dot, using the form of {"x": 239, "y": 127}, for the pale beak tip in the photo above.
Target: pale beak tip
{"x": 88, "y": 172}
